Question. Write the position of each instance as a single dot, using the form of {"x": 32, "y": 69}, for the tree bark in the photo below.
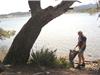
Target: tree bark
{"x": 34, "y": 6}
{"x": 20, "y": 49}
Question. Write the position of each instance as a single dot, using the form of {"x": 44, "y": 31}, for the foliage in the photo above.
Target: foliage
{"x": 6, "y": 34}
{"x": 90, "y": 11}
{"x": 47, "y": 58}
{"x": 62, "y": 63}
{"x": 43, "y": 58}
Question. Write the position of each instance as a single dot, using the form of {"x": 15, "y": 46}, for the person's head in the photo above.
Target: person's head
{"x": 80, "y": 33}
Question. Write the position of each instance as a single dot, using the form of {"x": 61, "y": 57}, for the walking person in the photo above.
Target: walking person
{"x": 82, "y": 46}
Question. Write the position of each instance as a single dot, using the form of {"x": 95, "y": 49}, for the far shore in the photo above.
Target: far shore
{"x": 15, "y": 14}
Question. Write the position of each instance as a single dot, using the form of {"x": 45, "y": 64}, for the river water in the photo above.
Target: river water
{"x": 61, "y": 33}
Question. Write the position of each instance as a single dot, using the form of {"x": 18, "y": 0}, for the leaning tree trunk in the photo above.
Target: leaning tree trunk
{"x": 23, "y": 42}
{"x": 34, "y": 6}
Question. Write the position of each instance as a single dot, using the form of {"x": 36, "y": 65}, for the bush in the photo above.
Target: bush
{"x": 47, "y": 58}
{"x": 44, "y": 57}
{"x": 6, "y": 33}
{"x": 62, "y": 63}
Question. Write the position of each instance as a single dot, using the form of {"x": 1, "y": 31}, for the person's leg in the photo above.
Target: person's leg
{"x": 83, "y": 59}
{"x": 79, "y": 62}
{"x": 80, "y": 58}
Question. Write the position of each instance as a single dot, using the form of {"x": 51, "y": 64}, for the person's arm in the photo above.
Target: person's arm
{"x": 76, "y": 46}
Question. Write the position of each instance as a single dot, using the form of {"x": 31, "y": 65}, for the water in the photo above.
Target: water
{"x": 12, "y": 24}
{"x": 61, "y": 33}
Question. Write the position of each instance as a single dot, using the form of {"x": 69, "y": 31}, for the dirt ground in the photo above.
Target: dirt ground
{"x": 31, "y": 70}
{"x": 92, "y": 68}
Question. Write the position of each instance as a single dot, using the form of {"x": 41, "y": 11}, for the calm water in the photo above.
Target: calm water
{"x": 61, "y": 33}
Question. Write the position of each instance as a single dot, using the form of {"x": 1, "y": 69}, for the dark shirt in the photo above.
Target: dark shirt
{"x": 81, "y": 41}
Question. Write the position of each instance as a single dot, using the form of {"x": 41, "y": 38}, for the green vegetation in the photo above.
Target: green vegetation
{"x": 44, "y": 58}
{"x": 62, "y": 63}
{"x": 90, "y": 11}
{"x": 47, "y": 58}
{"x": 6, "y": 34}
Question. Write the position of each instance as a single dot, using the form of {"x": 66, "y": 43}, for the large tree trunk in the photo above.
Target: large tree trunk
{"x": 34, "y": 6}
{"x": 23, "y": 42}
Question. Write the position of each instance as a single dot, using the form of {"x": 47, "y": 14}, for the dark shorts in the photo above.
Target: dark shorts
{"x": 82, "y": 50}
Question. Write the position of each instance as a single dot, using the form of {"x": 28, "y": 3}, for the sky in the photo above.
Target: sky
{"x": 8, "y": 6}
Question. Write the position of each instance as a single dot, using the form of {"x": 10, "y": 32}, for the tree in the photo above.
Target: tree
{"x": 34, "y": 6}
{"x": 20, "y": 49}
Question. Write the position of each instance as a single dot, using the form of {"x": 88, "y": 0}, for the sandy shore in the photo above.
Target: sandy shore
{"x": 2, "y": 55}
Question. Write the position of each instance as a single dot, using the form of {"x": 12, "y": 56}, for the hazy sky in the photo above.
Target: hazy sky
{"x": 8, "y": 6}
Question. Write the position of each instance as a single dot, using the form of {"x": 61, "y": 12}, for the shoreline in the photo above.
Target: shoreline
{"x": 58, "y": 54}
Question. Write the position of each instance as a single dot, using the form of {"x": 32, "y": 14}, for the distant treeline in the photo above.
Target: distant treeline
{"x": 90, "y": 10}
{"x": 15, "y": 14}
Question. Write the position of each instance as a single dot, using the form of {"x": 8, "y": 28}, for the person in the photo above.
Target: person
{"x": 82, "y": 46}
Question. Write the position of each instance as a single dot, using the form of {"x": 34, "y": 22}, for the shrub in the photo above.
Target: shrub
{"x": 44, "y": 57}
{"x": 47, "y": 58}
{"x": 62, "y": 63}
{"x": 6, "y": 33}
